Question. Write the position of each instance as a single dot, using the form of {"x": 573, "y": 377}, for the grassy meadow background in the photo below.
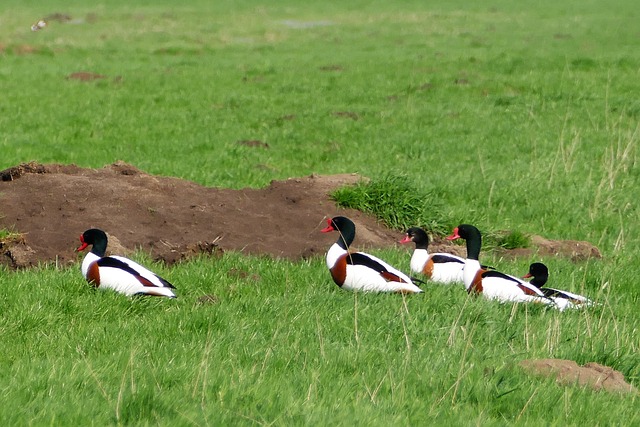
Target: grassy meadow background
{"x": 515, "y": 116}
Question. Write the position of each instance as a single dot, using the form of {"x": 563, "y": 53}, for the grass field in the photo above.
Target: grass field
{"x": 522, "y": 117}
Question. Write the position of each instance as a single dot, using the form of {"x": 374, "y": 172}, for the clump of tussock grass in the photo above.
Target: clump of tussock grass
{"x": 8, "y": 236}
{"x": 395, "y": 201}
{"x": 514, "y": 239}
{"x": 508, "y": 239}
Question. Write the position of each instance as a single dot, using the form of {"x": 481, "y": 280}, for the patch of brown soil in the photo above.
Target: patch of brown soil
{"x": 85, "y": 76}
{"x": 574, "y": 249}
{"x": 58, "y": 17}
{"x": 332, "y": 68}
{"x": 14, "y": 249}
{"x": 253, "y": 143}
{"x": 172, "y": 219}
{"x": 17, "y": 171}
{"x": 567, "y": 372}
{"x": 347, "y": 114}
{"x": 25, "y": 49}
{"x": 208, "y": 300}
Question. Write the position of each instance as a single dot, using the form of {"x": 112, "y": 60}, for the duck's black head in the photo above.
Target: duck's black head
{"x": 345, "y": 227}
{"x": 418, "y": 236}
{"x": 338, "y": 223}
{"x": 95, "y": 237}
{"x": 473, "y": 237}
{"x": 539, "y": 273}
{"x": 465, "y": 231}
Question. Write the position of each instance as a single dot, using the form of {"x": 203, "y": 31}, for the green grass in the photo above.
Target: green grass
{"x": 512, "y": 117}
{"x": 281, "y": 349}
{"x": 396, "y": 202}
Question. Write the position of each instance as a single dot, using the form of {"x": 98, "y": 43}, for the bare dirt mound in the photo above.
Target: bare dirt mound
{"x": 575, "y": 249}
{"x": 51, "y": 205}
{"x": 567, "y": 372}
{"x": 169, "y": 218}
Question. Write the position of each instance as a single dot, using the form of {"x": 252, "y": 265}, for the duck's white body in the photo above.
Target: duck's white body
{"x": 492, "y": 284}
{"x": 441, "y": 268}
{"x": 137, "y": 281}
{"x": 358, "y": 271}
{"x": 562, "y": 299}
{"x": 437, "y": 267}
{"x": 498, "y": 286}
{"x": 360, "y": 276}
{"x": 118, "y": 273}
{"x": 567, "y": 300}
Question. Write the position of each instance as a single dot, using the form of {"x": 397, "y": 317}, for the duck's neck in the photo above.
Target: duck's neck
{"x": 418, "y": 260}
{"x": 474, "y": 243}
{"x": 420, "y": 238}
{"x": 422, "y": 244}
{"x": 99, "y": 247}
{"x": 346, "y": 236}
{"x": 539, "y": 281}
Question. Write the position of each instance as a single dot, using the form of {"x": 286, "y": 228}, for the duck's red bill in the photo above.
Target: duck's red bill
{"x": 328, "y": 228}
{"x": 455, "y": 235}
{"x": 84, "y": 244}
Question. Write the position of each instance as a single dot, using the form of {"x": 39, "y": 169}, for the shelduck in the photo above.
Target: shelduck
{"x": 437, "y": 267}
{"x": 539, "y": 274}
{"x": 358, "y": 271}
{"x": 492, "y": 284}
{"x": 118, "y": 273}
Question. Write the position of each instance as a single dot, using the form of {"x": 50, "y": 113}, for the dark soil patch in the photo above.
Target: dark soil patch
{"x": 25, "y": 49}
{"x": 347, "y": 114}
{"x": 208, "y": 300}
{"x": 172, "y": 219}
{"x": 332, "y": 68}
{"x": 58, "y": 17}
{"x": 85, "y": 76}
{"x": 253, "y": 143}
{"x": 567, "y": 372}
{"x": 574, "y": 249}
